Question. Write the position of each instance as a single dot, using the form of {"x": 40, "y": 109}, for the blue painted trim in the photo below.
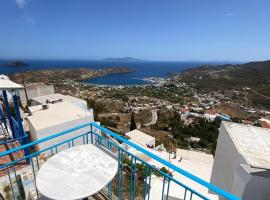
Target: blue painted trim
{"x": 18, "y": 115}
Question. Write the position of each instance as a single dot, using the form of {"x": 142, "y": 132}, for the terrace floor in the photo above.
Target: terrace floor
{"x": 195, "y": 162}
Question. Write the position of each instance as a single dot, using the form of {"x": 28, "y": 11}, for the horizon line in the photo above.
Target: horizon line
{"x": 138, "y": 60}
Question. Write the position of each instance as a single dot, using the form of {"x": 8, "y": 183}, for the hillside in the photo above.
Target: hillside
{"x": 252, "y": 75}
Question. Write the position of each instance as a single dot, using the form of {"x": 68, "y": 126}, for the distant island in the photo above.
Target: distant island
{"x": 75, "y": 74}
{"x": 124, "y": 59}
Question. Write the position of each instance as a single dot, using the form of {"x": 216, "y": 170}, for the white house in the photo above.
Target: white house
{"x": 141, "y": 138}
{"x": 46, "y": 120}
{"x": 242, "y": 161}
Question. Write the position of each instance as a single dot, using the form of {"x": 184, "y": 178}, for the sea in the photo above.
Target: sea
{"x": 142, "y": 69}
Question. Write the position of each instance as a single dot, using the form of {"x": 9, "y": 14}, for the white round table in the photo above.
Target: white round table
{"x": 76, "y": 173}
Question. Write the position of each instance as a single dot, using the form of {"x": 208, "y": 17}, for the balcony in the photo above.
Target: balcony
{"x": 135, "y": 178}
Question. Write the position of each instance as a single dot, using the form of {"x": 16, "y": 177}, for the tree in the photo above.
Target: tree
{"x": 6, "y": 190}
{"x": 19, "y": 65}
{"x": 203, "y": 143}
{"x": 132, "y": 122}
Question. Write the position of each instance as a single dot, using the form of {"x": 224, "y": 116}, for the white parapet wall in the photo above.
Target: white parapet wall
{"x": 242, "y": 164}
{"x": 36, "y": 90}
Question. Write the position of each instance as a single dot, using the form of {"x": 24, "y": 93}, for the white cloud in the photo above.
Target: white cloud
{"x": 21, "y": 3}
{"x": 229, "y": 14}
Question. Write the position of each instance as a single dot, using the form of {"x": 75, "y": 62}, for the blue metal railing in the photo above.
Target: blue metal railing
{"x": 134, "y": 175}
{"x": 15, "y": 127}
{"x": 13, "y": 140}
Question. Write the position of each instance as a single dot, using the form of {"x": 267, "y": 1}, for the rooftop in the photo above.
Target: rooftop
{"x": 6, "y": 84}
{"x": 55, "y": 97}
{"x": 265, "y": 123}
{"x": 55, "y": 114}
{"x": 252, "y": 142}
{"x": 212, "y": 111}
{"x": 139, "y": 137}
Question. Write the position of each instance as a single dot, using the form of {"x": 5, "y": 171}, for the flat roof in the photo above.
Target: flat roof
{"x": 139, "y": 136}
{"x": 55, "y": 97}
{"x": 55, "y": 114}
{"x": 195, "y": 162}
{"x": 252, "y": 142}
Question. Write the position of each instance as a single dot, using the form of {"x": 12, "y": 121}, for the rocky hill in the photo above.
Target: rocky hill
{"x": 254, "y": 76}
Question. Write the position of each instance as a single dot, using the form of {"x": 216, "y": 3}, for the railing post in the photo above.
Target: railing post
{"x": 3, "y": 118}
{"x": 110, "y": 192}
{"x": 7, "y": 107}
{"x": 120, "y": 175}
{"x": 18, "y": 115}
{"x": 11, "y": 185}
{"x": 133, "y": 175}
{"x": 91, "y": 131}
{"x": 168, "y": 189}
{"x": 20, "y": 126}
{"x": 34, "y": 174}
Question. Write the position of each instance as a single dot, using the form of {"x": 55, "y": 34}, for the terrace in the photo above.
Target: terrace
{"x": 134, "y": 178}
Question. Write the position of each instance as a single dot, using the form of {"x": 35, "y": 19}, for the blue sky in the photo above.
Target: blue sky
{"x": 177, "y": 30}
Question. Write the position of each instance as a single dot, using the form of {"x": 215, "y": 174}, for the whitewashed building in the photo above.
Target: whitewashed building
{"x": 46, "y": 120}
{"x": 242, "y": 161}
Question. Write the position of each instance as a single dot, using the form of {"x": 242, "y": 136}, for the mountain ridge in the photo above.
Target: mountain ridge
{"x": 252, "y": 75}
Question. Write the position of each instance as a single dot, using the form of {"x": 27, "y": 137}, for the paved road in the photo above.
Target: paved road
{"x": 154, "y": 118}
{"x": 110, "y": 114}
{"x": 267, "y": 97}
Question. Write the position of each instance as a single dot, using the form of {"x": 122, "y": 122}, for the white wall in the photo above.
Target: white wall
{"x": 38, "y": 134}
{"x": 82, "y": 104}
{"x": 226, "y": 161}
{"x": 252, "y": 185}
{"x": 231, "y": 172}
{"x": 36, "y": 91}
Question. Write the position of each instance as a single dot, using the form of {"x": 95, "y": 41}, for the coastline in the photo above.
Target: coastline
{"x": 138, "y": 74}
{"x": 74, "y": 74}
